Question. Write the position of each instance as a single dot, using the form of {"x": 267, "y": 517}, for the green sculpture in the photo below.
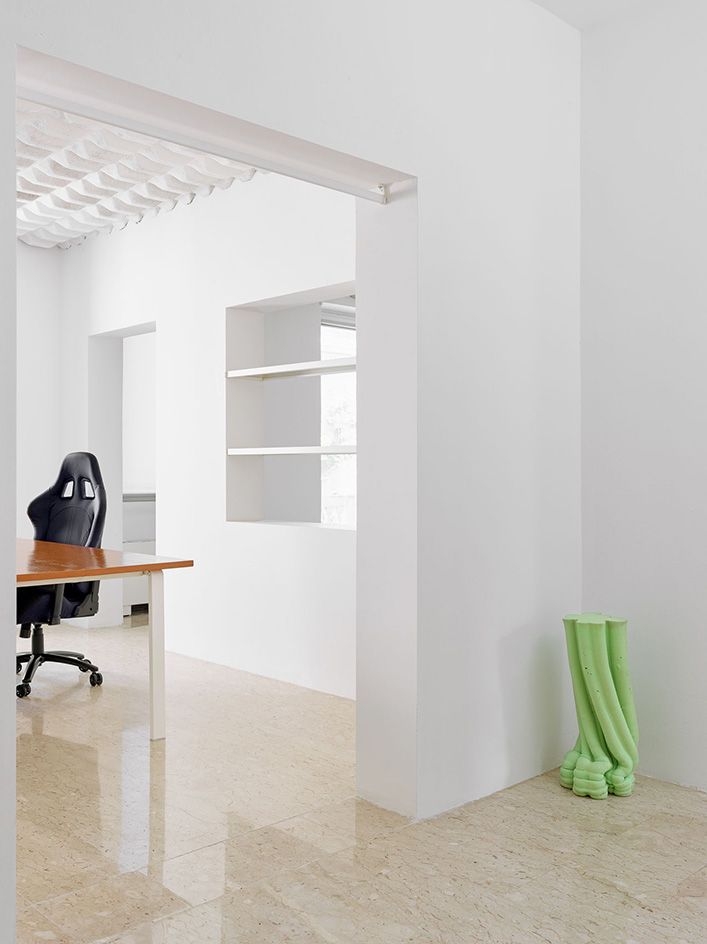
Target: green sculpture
{"x": 606, "y": 753}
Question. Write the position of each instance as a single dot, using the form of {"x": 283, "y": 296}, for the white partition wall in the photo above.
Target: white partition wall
{"x": 40, "y": 355}
{"x": 387, "y": 634}
{"x": 7, "y": 474}
{"x": 104, "y": 402}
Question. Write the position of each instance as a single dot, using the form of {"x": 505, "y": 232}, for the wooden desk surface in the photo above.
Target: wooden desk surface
{"x": 46, "y": 561}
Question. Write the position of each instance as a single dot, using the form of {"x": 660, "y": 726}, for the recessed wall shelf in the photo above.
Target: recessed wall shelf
{"x": 294, "y": 451}
{"x": 338, "y": 365}
{"x": 276, "y": 381}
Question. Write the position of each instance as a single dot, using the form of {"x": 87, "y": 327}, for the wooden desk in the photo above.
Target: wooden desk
{"x": 43, "y": 562}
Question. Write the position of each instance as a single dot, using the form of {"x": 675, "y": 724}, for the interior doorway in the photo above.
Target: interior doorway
{"x": 386, "y": 280}
{"x": 139, "y": 460}
{"x": 386, "y": 301}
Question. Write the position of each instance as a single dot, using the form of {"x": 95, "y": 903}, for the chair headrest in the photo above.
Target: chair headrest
{"x": 79, "y": 466}
{"x": 73, "y": 510}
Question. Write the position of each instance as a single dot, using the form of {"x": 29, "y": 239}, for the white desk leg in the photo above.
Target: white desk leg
{"x": 156, "y": 616}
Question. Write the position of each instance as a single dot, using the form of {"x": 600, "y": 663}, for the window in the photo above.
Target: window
{"x": 338, "y": 398}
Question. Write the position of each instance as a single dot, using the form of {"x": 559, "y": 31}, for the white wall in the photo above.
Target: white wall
{"x": 139, "y": 413}
{"x": 139, "y": 431}
{"x": 387, "y": 497}
{"x": 644, "y": 340}
{"x": 273, "y": 600}
{"x": 97, "y": 404}
{"x": 7, "y": 473}
{"x": 480, "y": 101}
{"x": 499, "y": 410}
{"x": 46, "y": 355}
{"x": 39, "y": 356}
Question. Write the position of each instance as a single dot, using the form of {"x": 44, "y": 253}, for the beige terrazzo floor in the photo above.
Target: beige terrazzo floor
{"x": 243, "y": 828}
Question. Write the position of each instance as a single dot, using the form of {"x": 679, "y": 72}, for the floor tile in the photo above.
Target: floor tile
{"x": 243, "y": 828}
{"x": 358, "y": 820}
{"x": 642, "y": 863}
{"x": 691, "y": 895}
{"x": 209, "y": 873}
{"x": 51, "y": 862}
{"x": 34, "y": 928}
{"x": 110, "y": 907}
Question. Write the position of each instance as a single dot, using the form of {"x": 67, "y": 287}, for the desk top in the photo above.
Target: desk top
{"x": 39, "y": 561}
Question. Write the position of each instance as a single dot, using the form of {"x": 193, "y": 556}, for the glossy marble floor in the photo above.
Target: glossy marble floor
{"x": 243, "y": 828}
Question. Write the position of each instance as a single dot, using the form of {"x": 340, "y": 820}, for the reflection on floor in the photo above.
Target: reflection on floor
{"x": 243, "y": 828}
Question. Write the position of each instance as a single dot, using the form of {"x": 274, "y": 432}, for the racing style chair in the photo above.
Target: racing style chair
{"x": 72, "y": 511}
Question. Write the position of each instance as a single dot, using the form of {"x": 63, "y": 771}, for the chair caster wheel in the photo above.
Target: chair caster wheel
{"x": 18, "y": 669}
{"x": 83, "y": 668}
{"x": 23, "y": 690}
{"x": 96, "y": 679}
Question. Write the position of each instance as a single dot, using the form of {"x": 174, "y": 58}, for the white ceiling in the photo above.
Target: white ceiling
{"x": 77, "y": 178}
{"x": 585, "y": 13}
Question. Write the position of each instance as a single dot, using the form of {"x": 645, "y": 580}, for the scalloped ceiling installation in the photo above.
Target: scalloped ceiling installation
{"x": 77, "y": 178}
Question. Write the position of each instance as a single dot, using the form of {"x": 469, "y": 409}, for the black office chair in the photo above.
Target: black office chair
{"x": 72, "y": 511}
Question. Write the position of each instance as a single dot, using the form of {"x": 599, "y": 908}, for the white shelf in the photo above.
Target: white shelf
{"x": 351, "y": 529}
{"x": 336, "y": 365}
{"x": 294, "y": 451}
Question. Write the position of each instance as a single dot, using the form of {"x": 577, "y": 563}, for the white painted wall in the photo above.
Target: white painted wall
{"x": 139, "y": 413}
{"x": 387, "y": 497}
{"x": 273, "y": 600}
{"x": 499, "y": 413}
{"x": 8, "y": 399}
{"x": 97, "y": 402}
{"x": 40, "y": 360}
{"x": 644, "y": 379}
{"x": 588, "y": 13}
{"x": 46, "y": 355}
{"x": 481, "y": 102}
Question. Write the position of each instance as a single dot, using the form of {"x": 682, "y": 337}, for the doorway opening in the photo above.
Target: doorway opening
{"x": 139, "y": 461}
{"x": 279, "y": 602}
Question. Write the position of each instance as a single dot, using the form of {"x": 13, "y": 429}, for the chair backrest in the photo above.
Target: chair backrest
{"x": 73, "y": 510}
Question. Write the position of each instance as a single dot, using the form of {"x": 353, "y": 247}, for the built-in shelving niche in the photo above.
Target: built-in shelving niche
{"x": 273, "y": 407}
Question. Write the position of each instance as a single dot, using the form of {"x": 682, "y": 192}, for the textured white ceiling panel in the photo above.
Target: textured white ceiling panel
{"x": 77, "y": 178}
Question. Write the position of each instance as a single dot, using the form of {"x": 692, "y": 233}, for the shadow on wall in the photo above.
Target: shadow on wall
{"x": 532, "y": 673}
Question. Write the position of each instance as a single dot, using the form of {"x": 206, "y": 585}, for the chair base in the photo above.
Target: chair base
{"x": 38, "y": 657}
